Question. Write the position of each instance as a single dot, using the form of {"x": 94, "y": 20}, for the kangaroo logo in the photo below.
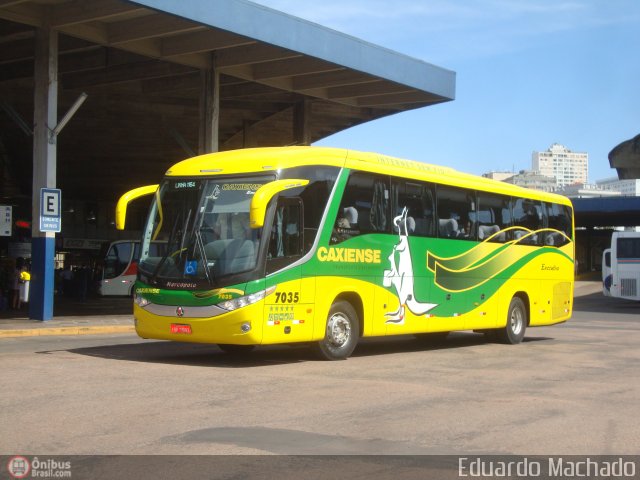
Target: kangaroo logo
{"x": 400, "y": 275}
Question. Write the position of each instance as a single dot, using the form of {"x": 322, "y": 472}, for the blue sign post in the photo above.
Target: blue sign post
{"x": 43, "y": 253}
{"x": 50, "y": 211}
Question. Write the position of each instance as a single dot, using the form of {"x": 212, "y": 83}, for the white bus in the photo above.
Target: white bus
{"x": 121, "y": 266}
{"x": 621, "y": 266}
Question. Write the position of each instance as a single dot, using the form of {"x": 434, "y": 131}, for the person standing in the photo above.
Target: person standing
{"x": 67, "y": 277}
{"x": 14, "y": 282}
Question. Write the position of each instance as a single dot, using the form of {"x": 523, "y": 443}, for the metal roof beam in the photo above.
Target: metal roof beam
{"x": 13, "y": 51}
{"x": 204, "y": 41}
{"x": 177, "y": 83}
{"x": 81, "y": 11}
{"x": 291, "y": 67}
{"x": 149, "y": 26}
{"x": 253, "y": 125}
{"x": 369, "y": 89}
{"x": 250, "y": 54}
{"x": 332, "y": 109}
{"x": 9, "y": 3}
{"x": 24, "y": 49}
{"x": 397, "y": 99}
{"x": 25, "y": 13}
{"x": 246, "y": 90}
{"x": 12, "y": 31}
{"x": 124, "y": 73}
{"x": 331, "y": 79}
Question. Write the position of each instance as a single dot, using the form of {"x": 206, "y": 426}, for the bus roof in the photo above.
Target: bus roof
{"x": 275, "y": 158}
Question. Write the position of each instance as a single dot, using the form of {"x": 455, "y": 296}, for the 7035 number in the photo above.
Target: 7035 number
{"x": 287, "y": 297}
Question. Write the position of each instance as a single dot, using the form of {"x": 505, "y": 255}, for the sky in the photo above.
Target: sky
{"x": 529, "y": 73}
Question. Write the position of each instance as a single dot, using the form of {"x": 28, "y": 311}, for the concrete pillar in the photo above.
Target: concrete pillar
{"x": 44, "y": 171}
{"x": 301, "y": 123}
{"x": 209, "y": 109}
{"x": 246, "y": 141}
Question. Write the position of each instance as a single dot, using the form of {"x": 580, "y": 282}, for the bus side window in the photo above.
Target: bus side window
{"x": 456, "y": 213}
{"x": 417, "y": 198}
{"x": 285, "y": 244}
{"x": 315, "y": 196}
{"x": 558, "y": 218}
{"x": 527, "y": 214}
{"x": 493, "y": 217}
{"x": 628, "y": 248}
{"x": 365, "y": 207}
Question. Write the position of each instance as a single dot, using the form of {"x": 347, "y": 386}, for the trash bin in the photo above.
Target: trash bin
{"x": 25, "y": 280}
{"x": 24, "y": 291}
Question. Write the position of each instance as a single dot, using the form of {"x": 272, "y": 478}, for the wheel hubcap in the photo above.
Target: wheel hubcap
{"x": 338, "y": 330}
{"x": 516, "y": 321}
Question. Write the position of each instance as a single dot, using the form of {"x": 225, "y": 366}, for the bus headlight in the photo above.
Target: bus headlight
{"x": 141, "y": 301}
{"x": 246, "y": 300}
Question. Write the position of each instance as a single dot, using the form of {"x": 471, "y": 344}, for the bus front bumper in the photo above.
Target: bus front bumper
{"x": 240, "y": 327}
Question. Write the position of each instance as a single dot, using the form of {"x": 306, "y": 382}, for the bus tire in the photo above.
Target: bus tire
{"x": 513, "y": 332}
{"x": 235, "y": 349}
{"x": 342, "y": 332}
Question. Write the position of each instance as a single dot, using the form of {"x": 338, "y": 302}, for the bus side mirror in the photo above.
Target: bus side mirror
{"x": 121, "y": 206}
{"x": 265, "y": 193}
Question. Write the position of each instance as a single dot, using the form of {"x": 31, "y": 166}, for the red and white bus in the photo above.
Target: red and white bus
{"x": 121, "y": 266}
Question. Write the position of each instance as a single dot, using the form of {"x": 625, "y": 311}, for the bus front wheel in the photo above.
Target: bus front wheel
{"x": 342, "y": 333}
{"x": 513, "y": 332}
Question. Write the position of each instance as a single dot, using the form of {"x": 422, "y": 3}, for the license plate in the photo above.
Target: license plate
{"x": 181, "y": 328}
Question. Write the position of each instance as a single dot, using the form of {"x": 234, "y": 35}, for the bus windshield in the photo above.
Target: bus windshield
{"x": 117, "y": 259}
{"x": 205, "y": 223}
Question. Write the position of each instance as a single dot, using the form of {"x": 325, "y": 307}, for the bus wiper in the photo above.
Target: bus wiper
{"x": 169, "y": 253}
{"x": 207, "y": 272}
{"x": 184, "y": 231}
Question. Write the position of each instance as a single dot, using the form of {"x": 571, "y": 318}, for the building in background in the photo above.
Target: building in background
{"x": 586, "y": 190}
{"x": 533, "y": 180}
{"x": 565, "y": 166}
{"x": 629, "y": 188}
{"x": 500, "y": 176}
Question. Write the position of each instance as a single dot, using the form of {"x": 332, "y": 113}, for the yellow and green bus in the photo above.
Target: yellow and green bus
{"x": 325, "y": 246}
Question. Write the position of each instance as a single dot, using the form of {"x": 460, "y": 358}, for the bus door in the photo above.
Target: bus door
{"x": 288, "y": 310}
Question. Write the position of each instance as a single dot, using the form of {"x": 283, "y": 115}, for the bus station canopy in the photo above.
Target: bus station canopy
{"x": 606, "y": 212}
{"x": 282, "y": 81}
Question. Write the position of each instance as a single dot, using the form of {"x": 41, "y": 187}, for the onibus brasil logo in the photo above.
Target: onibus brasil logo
{"x": 20, "y": 467}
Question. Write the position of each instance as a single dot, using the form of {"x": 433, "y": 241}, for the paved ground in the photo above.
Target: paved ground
{"x": 72, "y": 317}
{"x": 567, "y": 389}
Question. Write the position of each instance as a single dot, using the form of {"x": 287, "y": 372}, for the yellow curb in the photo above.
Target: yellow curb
{"x": 36, "y": 332}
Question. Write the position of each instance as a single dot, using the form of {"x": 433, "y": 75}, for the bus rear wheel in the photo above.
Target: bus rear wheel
{"x": 513, "y": 332}
{"x": 342, "y": 333}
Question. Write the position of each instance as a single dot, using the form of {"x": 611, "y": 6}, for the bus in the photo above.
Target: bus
{"x": 326, "y": 246}
{"x": 621, "y": 266}
{"x": 120, "y": 267}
